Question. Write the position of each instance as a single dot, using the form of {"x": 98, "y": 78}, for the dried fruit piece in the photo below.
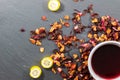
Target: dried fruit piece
{"x": 44, "y": 18}
{"x": 61, "y": 46}
{"x": 78, "y": 28}
{"x": 90, "y": 35}
{"x": 94, "y": 28}
{"x": 75, "y": 56}
{"x": 47, "y": 62}
{"x": 38, "y": 43}
{"x": 42, "y": 49}
{"x": 108, "y": 31}
{"x": 94, "y": 20}
{"x": 35, "y": 72}
{"x": 53, "y": 70}
{"x": 67, "y": 24}
{"x": 37, "y": 31}
{"x": 76, "y": 78}
{"x": 116, "y": 35}
{"x": 73, "y": 66}
{"x": 67, "y": 17}
{"x": 57, "y": 63}
{"x": 114, "y": 23}
{"x": 118, "y": 28}
{"x": 32, "y": 41}
{"x": 59, "y": 69}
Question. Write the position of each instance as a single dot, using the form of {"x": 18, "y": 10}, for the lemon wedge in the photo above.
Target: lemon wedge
{"x": 35, "y": 72}
{"x": 54, "y": 5}
{"x": 47, "y": 62}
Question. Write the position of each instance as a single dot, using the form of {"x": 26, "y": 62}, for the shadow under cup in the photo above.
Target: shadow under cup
{"x": 104, "y": 61}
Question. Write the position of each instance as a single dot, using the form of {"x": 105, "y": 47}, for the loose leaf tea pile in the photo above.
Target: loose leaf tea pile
{"x": 75, "y": 66}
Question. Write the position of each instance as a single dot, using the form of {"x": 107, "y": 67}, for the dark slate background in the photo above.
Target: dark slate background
{"x": 16, "y": 53}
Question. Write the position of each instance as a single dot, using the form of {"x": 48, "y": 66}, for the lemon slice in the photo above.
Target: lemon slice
{"x": 54, "y": 5}
{"x": 47, "y": 62}
{"x": 35, "y": 72}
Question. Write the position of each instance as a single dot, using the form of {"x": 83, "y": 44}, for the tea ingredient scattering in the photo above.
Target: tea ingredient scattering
{"x": 101, "y": 28}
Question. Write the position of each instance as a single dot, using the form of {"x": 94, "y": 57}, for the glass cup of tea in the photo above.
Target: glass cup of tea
{"x": 104, "y": 61}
